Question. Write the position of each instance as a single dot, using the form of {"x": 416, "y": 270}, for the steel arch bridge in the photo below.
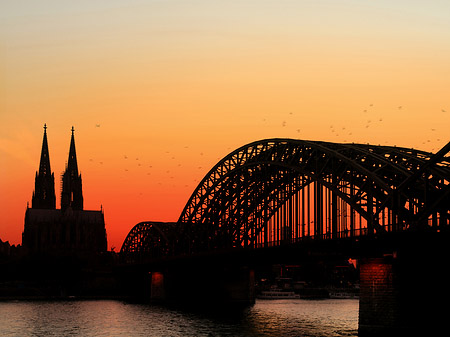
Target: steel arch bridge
{"x": 278, "y": 191}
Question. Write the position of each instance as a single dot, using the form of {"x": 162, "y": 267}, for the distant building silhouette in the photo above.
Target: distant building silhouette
{"x": 67, "y": 230}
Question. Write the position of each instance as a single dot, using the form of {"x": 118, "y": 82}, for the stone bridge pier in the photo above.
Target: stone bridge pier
{"x": 407, "y": 291}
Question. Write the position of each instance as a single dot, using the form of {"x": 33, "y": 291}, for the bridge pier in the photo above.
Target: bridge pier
{"x": 378, "y": 304}
{"x": 405, "y": 292}
{"x": 201, "y": 285}
{"x": 157, "y": 287}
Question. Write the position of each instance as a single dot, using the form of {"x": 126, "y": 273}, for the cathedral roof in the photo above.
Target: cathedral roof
{"x": 56, "y": 216}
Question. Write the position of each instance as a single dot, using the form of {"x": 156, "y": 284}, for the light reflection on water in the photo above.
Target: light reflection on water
{"x": 116, "y": 318}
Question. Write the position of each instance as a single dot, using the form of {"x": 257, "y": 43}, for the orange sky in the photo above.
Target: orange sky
{"x": 177, "y": 85}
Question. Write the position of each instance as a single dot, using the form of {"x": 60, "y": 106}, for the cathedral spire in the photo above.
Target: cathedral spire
{"x": 44, "y": 184}
{"x": 72, "y": 164}
{"x": 44, "y": 165}
{"x": 72, "y": 194}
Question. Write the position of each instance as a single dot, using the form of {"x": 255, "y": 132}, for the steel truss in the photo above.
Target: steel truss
{"x": 275, "y": 191}
{"x": 279, "y": 190}
{"x": 150, "y": 238}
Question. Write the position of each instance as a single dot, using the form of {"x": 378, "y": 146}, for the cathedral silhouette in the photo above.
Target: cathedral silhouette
{"x": 69, "y": 230}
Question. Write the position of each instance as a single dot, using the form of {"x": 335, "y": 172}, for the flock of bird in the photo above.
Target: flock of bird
{"x": 341, "y": 131}
{"x": 370, "y": 122}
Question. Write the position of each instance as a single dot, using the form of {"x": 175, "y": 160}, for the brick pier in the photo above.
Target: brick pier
{"x": 407, "y": 291}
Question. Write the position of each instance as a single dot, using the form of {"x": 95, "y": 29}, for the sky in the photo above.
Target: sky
{"x": 159, "y": 91}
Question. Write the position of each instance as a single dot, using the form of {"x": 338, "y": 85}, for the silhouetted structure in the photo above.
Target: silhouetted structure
{"x": 67, "y": 230}
{"x": 72, "y": 194}
{"x": 44, "y": 186}
{"x": 281, "y": 191}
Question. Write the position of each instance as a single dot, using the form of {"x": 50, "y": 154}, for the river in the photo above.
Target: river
{"x": 329, "y": 317}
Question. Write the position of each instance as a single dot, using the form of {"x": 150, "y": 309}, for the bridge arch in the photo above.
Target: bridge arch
{"x": 149, "y": 239}
{"x": 389, "y": 187}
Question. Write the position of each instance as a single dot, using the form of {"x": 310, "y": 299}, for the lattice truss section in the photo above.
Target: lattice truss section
{"x": 150, "y": 238}
{"x": 279, "y": 190}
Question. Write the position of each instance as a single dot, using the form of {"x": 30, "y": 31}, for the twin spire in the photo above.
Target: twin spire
{"x": 71, "y": 185}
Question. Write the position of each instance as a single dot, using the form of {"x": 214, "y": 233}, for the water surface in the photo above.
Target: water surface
{"x": 115, "y": 318}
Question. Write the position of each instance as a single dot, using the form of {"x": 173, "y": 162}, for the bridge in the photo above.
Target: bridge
{"x": 387, "y": 206}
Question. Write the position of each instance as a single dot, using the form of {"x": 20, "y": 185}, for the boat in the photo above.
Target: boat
{"x": 343, "y": 294}
{"x": 277, "y": 294}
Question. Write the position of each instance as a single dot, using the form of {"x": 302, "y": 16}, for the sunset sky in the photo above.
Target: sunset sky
{"x": 159, "y": 91}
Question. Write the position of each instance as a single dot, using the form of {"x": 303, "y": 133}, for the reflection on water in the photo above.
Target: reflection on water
{"x": 115, "y": 318}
